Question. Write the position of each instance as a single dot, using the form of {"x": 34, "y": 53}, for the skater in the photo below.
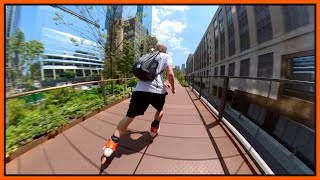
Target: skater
{"x": 146, "y": 92}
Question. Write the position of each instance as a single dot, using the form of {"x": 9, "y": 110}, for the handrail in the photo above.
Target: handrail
{"x": 255, "y": 78}
{"x": 223, "y": 93}
{"x": 60, "y": 87}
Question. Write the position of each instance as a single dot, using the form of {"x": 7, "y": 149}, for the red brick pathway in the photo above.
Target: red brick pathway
{"x": 191, "y": 141}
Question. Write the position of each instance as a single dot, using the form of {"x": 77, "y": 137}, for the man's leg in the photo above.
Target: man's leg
{"x": 122, "y": 126}
{"x": 158, "y": 115}
{"x": 155, "y": 125}
{"x": 157, "y": 101}
{"x": 114, "y": 140}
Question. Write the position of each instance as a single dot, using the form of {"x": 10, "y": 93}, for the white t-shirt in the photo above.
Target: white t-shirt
{"x": 157, "y": 85}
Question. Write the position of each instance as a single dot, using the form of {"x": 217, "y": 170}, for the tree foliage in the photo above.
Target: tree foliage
{"x": 109, "y": 40}
{"x": 22, "y": 56}
{"x": 28, "y": 121}
{"x": 127, "y": 59}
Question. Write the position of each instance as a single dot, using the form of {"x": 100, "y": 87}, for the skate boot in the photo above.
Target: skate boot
{"x": 154, "y": 132}
{"x": 108, "y": 150}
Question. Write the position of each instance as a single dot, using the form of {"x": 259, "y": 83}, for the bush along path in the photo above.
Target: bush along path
{"x": 27, "y": 121}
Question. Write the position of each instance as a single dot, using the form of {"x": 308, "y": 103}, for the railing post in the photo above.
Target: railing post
{"x": 103, "y": 90}
{"x": 125, "y": 84}
{"x": 192, "y": 83}
{"x": 224, "y": 97}
{"x": 200, "y": 93}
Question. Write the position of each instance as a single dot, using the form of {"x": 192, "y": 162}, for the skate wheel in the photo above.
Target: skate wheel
{"x": 103, "y": 159}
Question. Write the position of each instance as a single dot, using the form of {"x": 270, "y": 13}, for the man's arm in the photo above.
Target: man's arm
{"x": 170, "y": 77}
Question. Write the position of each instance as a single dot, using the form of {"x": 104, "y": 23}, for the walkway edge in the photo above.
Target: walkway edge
{"x": 263, "y": 165}
{"x": 27, "y": 147}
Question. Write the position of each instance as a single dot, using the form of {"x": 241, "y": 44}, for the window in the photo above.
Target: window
{"x": 216, "y": 32}
{"x": 216, "y": 50}
{"x": 222, "y": 36}
{"x": 216, "y": 71}
{"x": 215, "y": 28}
{"x": 221, "y": 21}
{"x": 265, "y": 65}
{"x": 87, "y": 72}
{"x": 295, "y": 16}
{"x": 229, "y": 14}
{"x": 59, "y": 72}
{"x": 222, "y": 48}
{"x": 301, "y": 67}
{"x": 231, "y": 42}
{"x": 222, "y": 70}
{"x": 245, "y": 67}
{"x": 263, "y": 23}
{"x": 48, "y": 73}
{"x": 79, "y": 72}
{"x": 231, "y": 69}
{"x": 243, "y": 28}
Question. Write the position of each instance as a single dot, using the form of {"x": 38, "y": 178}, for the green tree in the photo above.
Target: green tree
{"x": 21, "y": 56}
{"x": 35, "y": 71}
{"x": 69, "y": 74}
{"x": 127, "y": 59}
{"x": 110, "y": 41}
{"x": 151, "y": 42}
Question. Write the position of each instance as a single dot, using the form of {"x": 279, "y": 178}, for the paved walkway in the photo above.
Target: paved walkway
{"x": 191, "y": 141}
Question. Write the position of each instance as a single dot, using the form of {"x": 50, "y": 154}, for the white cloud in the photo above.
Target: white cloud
{"x": 168, "y": 30}
{"x": 175, "y": 8}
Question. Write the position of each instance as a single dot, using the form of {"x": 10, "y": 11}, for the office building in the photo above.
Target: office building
{"x": 143, "y": 12}
{"x": 65, "y": 47}
{"x": 183, "y": 68}
{"x": 260, "y": 41}
{"x": 12, "y": 24}
{"x": 12, "y": 19}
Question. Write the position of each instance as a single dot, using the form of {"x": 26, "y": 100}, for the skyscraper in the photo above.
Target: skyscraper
{"x": 144, "y": 14}
{"x": 64, "y": 47}
{"x": 12, "y": 19}
{"x": 12, "y": 24}
{"x": 183, "y": 68}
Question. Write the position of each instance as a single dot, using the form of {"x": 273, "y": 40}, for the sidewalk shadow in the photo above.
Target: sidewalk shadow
{"x": 131, "y": 142}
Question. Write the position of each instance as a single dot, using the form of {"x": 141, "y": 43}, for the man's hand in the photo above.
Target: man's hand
{"x": 173, "y": 91}
{"x": 169, "y": 86}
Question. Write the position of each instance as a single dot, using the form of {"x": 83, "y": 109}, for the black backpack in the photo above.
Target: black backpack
{"x": 146, "y": 67}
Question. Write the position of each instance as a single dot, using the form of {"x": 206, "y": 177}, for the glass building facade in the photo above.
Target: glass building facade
{"x": 129, "y": 11}
{"x": 65, "y": 47}
{"x": 12, "y": 19}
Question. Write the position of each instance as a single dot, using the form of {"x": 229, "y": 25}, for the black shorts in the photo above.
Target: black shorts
{"x": 140, "y": 101}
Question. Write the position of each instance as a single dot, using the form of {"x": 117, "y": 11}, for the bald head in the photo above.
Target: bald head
{"x": 161, "y": 47}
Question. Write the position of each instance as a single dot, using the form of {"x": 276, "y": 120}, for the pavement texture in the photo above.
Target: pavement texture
{"x": 191, "y": 142}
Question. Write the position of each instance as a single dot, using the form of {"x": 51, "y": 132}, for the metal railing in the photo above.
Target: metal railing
{"x": 280, "y": 110}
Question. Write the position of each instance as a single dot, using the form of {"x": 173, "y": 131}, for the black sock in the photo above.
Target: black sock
{"x": 155, "y": 123}
{"x": 115, "y": 138}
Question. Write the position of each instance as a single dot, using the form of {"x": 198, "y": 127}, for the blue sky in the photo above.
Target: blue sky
{"x": 181, "y": 28}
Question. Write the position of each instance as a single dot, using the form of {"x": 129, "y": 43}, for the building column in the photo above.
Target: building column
{"x": 276, "y": 21}
{"x": 84, "y": 74}
{"x": 252, "y": 26}
{"x": 42, "y": 73}
{"x": 54, "y": 74}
